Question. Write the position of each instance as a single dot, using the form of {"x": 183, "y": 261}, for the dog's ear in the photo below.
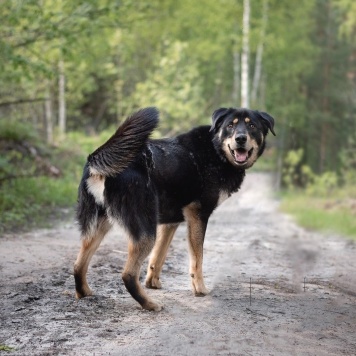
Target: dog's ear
{"x": 218, "y": 115}
{"x": 268, "y": 120}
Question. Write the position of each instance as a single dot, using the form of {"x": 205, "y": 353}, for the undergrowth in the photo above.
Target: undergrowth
{"x": 30, "y": 195}
{"x": 324, "y": 201}
{"x": 336, "y": 214}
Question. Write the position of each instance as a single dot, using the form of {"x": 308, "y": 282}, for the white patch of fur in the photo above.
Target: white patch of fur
{"x": 93, "y": 171}
{"x": 222, "y": 197}
{"x": 96, "y": 186}
{"x": 115, "y": 221}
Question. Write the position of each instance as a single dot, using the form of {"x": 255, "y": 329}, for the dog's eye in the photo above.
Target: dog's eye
{"x": 252, "y": 126}
{"x": 230, "y": 126}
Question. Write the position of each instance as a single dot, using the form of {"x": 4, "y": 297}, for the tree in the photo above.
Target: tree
{"x": 259, "y": 54}
{"x": 188, "y": 58}
{"x": 245, "y": 96}
{"x": 175, "y": 88}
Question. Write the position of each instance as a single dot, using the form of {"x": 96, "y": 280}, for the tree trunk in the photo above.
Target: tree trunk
{"x": 236, "y": 84}
{"x": 61, "y": 100}
{"x": 245, "y": 102}
{"x": 48, "y": 116}
{"x": 259, "y": 55}
{"x": 262, "y": 96}
{"x": 324, "y": 136}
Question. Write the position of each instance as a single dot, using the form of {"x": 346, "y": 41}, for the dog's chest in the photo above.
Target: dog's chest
{"x": 222, "y": 197}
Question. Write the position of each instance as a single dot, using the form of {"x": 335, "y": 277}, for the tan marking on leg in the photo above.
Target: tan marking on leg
{"x": 196, "y": 233}
{"x": 164, "y": 238}
{"x": 138, "y": 251}
{"x": 89, "y": 246}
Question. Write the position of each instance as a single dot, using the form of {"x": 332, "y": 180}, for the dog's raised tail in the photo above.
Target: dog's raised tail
{"x": 116, "y": 154}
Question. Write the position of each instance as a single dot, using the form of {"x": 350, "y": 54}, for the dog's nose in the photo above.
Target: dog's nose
{"x": 241, "y": 139}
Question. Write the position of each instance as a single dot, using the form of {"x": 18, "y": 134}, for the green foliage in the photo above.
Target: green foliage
{"x": 179, "y": 56}
{"x": 268, "y": 163}
{"x": 348, "y": 26}
{"x": 326, "y": 214}
{"x": 29, "y": 202}
{"x": 292, "y": 171}
{"x": 86, "y": 144}
{"x": 31, "y": 198}
{"x": 16, "y": 131}
{"x": 323, "y": 203}
{"x": 323, "y": 185}
{"x": 348, "y": 161}
{"x": 6, "y": 348}
{"x": 175, "y": 88}
{"x": 296, "y": 174}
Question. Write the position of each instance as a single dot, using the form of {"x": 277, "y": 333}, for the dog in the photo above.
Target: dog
{"x": 150, "y": 186}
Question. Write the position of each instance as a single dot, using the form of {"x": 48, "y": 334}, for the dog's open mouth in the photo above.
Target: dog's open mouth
{"x": 240, "y": 155}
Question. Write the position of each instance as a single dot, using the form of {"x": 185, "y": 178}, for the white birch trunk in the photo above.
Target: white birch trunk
{"x": 236, "y": 84}
{"x": 61, "y": 100}
{"x": 48, "y": 116}
{"x": 245, "y": 102}
{"x": 257, "y": 74}
{"x": 259, "y": 55}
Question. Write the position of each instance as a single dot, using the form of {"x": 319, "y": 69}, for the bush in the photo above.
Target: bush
{"x": 323, "y": 185}
{"x": 295, "y": 174}
{"x": 30, "y": 195}
{"x": 17, "y": 131}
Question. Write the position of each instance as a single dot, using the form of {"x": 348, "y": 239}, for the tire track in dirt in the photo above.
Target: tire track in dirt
{"x": 247, "y": 238}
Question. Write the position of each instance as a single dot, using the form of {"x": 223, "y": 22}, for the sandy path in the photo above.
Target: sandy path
{"x": 303, "y": 291}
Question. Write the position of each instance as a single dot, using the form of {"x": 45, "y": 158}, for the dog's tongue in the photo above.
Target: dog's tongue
{"x": 240, "y": 156}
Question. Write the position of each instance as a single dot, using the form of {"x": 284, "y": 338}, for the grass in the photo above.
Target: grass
{"x": 17, "y": 131}
{"x": 31, "y": 202}
{"x": 336, "y": 213}
{"x": 6, "y": 348}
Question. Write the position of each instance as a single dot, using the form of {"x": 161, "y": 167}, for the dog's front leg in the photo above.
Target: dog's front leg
{"x": 196, "y": 233}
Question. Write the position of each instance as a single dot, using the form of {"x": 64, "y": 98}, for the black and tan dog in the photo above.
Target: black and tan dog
{"x": 150, "y": 186}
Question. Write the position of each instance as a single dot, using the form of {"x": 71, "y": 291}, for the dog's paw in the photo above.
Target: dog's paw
{"x": 85, "y": 292}
{"x": 199, "y": 288}
{"x": 201, "y": 293}
{"x": 153, "y": 283}
{"x": 152, "y": 306}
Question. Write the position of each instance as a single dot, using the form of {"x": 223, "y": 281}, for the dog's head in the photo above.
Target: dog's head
{"x": 239, "y": 134}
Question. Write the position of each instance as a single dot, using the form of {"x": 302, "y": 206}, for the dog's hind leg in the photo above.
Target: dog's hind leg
{"x": 138, "y": 251}
{"x": 90, "y": 242}
{"x": 165, "y": 235}
{"x": 196, "y": 234}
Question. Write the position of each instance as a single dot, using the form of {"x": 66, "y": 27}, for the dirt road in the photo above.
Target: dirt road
{"x": 276, "y": 289}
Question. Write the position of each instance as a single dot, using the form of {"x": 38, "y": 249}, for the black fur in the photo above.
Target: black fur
{"x": 128, "y": 141}
{"x": 151, "y": 181}
{"x": 141, "y": 183}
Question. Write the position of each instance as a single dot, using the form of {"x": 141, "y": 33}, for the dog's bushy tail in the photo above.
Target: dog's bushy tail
{"x": 116, "y": 154}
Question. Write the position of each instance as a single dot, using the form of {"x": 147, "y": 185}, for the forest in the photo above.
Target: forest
{"x": 71, "y": 71}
